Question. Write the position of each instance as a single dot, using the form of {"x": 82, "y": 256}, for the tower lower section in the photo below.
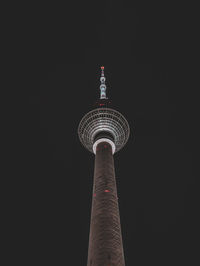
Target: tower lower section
{"x": 105, "y": 241}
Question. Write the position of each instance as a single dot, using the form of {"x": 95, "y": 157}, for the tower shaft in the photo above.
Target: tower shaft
{"x": 105, "y": 241}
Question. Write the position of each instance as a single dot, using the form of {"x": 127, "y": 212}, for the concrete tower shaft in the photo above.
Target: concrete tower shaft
{"x": 105, "y": 243}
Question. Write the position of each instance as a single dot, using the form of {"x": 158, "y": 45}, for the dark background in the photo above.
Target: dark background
{"x": 148, "y": 53}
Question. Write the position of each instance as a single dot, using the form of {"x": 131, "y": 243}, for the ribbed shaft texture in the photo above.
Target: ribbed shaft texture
{"x": 105, "y": 242}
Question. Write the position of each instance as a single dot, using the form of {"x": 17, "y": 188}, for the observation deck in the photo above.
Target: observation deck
{"x": 103, "y": 123}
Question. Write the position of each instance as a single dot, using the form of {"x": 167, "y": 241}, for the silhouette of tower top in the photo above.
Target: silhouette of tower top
{"x": 104, "y": 131}
{"x": 103, "y": 120}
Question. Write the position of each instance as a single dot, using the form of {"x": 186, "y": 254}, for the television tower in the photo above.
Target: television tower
{"x": 104, "y": 131}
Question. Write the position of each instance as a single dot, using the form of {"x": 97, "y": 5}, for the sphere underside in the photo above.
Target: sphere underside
{"x": 103, "y": 120}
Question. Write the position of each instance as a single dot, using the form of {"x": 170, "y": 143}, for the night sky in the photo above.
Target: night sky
{"x": 144, "y": 48}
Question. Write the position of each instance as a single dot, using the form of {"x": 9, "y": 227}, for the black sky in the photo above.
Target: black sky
{"x": 146, "y": 52}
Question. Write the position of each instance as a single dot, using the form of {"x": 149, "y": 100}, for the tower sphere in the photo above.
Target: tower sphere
{"x": 103, "y": 123}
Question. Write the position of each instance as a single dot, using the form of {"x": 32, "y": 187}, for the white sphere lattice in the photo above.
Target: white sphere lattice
{"x": 103, "y": 120}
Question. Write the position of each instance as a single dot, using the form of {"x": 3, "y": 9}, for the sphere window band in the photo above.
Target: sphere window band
{"x": 104, "y": 140}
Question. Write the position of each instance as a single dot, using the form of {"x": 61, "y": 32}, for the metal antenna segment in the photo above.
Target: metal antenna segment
{"x": 103, "y": 85}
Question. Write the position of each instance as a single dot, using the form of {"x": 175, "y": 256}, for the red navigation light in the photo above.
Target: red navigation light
{"x": 106, "y": 190}
{"x": 94, "y": 194}
{"x": 102, "y": 67}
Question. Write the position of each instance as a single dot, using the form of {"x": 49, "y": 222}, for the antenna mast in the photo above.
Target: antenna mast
{"x": 103, "y": 85}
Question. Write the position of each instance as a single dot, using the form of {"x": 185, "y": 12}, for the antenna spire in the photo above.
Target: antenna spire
{"x": 103, "y": 85}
